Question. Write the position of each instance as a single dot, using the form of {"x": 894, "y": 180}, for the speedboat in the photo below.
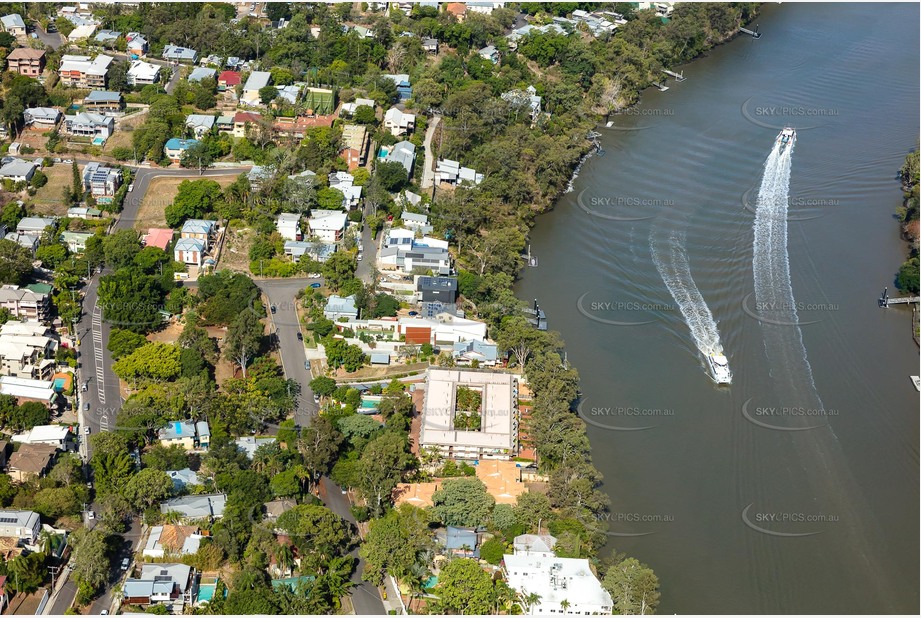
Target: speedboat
{"x": 719, "y": 368}
{"x": 786, "y": 137}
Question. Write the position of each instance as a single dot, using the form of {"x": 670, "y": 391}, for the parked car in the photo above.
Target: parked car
{"x": 315, "y": 285}
{"x": 131, "y": 187}
{"x": 307, "y": 365}
{"x": 316, "y": 398}
{"x": 86, "y": 406}
{"x": 87, "y": 430}
{"x": 125, "y": 563}
{"x": 300, "y": 336}
{"x": 274, "y": 308}
{"x": 90, "y": 515}
{"x": 413, "y": 313}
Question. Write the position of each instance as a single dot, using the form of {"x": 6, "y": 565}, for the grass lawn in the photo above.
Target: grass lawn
{"x": 160, "y": 194}
{"x": 48, "y": 200}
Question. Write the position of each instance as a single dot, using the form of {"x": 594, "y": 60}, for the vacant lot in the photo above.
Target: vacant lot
{"x": 160, "y": 194}
{"x": 48, "y": 200}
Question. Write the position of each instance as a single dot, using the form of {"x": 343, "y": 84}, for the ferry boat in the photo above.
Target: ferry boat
{"x": 787, "y": 136}
{"x": 719, "y": 368}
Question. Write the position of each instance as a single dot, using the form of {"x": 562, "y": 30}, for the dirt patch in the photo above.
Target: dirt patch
{"x": 169, "y": 334}
{"x": 160, "y": 194}
{"x": 48, "y": 200}
{"x": 235, "y": 255}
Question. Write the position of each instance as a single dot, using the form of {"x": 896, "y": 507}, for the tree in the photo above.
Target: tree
{"x": 155, "y": 361}
{"x": 121, "y": 248}
{"x": 380, "y": 468}
{"x": 463, "y": 502}
{"x": 54, "y": 502}
{"x": 493, "y": 550}
{"x": 391, "y": 175}
{"x": 267, "y": 94}
{"x": 25, "y": 573}
{"x": 634, "y": 587}
{"x": 123, "y": 342}
{"x": 147, "y": 487}
{"x": 91, "y": 564}
{"x": 117, "y": 76}
{"x": 323, "y": 386}
{"x": 503, "y": 517}
{"x": 15, "y": 262}
{"x": 319, "y": 445}
{"x": 27, "y": 415}
{"x": 531, "y": 508}
{"x": 358, "y": 427}
{"x": 51, "y": 255}
{"x": 197, "y": 155}
{"x": 76, "y": 182}
{"x": 339, "y": 268}
{"x": 364, "y": 114}
{"x": 243, "y": 338}
{"x": 907, "y": 279}
{"x": 329, "y": 198}
{"x": 396, "y": 543}
{"x": 464, "y": 588}
{"x": 316, "y": 529}
{"x": 194, "y": 199}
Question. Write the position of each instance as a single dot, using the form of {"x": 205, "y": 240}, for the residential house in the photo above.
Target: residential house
{"x": 457, "y": 9}
{"x": 484, "y": 8}
{"x": 136, "y": 44}
{"x": 58, "y": 436}
{"x": 317, "y": 251}
{"x": 399, "y": 237}
{"x": 184, "y": 434}
{"x": 4, "y": 449}
{"x": 83, "y": 71}
{"x": 36, "y": 225}
{"x": 344, "y": 182}
{"x": 242, "y": 121}
{"x": 183, "y": 478}
{"x": 104, "y": 102}
{"x": 176, "y": 147}
{"x": 416, "y": 221}
{"x": 403, "y": 153}
{"x": 189, "y": 251}
{"x": 199, "y": 124}
{"x": 13, "y": 24}
{"x": 524, "y": 99}
{"x": 399, "y": 122}
{"x": 27, "y": 241}
{"x": 81, "y": 32}
{"x": 172, "y": 540}
{"x": 256, "y": 81}
{"x": 458, "y": 541}
{"x": 404, "y": 88}
{"x": 259, "y": 174}
{"x": 224, "y": 123}
{"x": 339, "y": 307}
{"x": 102, "y": 181}
{"x": 430, "y": 46}
{"x": 451, "y": 172}
{"x": 250, "y": 444}
{"x": 158, "y": 237}
{"x": 160, "y": 584}
{"x": 204, "y": 434}
{"x": 200, "y": 73}
{"x": 290, "y": 93}
{"x": 566, "y": 586}
{"x": 26, "y": 61}
{"x": 235, "y": 63}
{"x": 83, "y": 212}
{"x": 41, "y": 117}
{"x": 31, "y": 302}
{"x": 31, "y": 461}
{"x": 22, "y": 525}
{"x": 355, "y": 141}
{"x": 228, "y": 79}
{"x": 107, "y": 37}
{"x": 17, "y": 170}
{"x": 538, "y": 545}
{"x": 327, "y": 225}
{"x": 27, "y": 356}
{"x": 76, "y": 241}
{"x": 349, "y": 109}
{"x": 490, "y": 53}
{"x": 142, "y": 73}
{"x": 440, "y": 289}
{"x": 200, "y": 506}
{"x": 484, "y": 353}
{"x": 201, "y": 229}
{"x": 177, "y": 54}
{"x": 89, "y": 125}
{"x": 276, "y": 508}
{"x": 497, "y": 435}
{"x": 289, "y": 226}
{"x": 415, "y": 258}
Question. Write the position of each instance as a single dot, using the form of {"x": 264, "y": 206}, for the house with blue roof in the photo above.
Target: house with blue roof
{"x": 200, "y": 73}
{"x": 404, "y": 88}
{"x": 175, "y": 53}
{"x": 14, "y": 24}
{"x": 185, "y": 434}
{"x": 484, "y": 353}
{"x": 176, "y": 147}
{"x": 339, "y": 307}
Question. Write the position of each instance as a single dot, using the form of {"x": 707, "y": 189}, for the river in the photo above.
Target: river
{"x": 795, "y": 489}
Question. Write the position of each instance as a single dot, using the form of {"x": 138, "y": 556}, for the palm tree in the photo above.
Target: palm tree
{"x": 565, "y": 605}
{"x": 530, "y": 599}
{"x": 46, "y": 542}
{"x": 338, "y": 572}
{"x": 285, "y": 558}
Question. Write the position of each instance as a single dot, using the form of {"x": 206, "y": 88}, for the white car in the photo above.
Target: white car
{"x": 87, "y": 430}
{"x": 131, "y": 187}
{"x": 90, "y": 515}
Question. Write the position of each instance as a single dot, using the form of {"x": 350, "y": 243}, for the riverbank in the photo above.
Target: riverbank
{"x": 907, "y": 277}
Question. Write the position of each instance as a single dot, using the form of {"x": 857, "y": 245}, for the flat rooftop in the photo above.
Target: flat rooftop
{"x": 497, "y": 409}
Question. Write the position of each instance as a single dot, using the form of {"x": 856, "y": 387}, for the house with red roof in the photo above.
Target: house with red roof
{"x": 228, "y": 79}
{"x": 158, "y": 237}
{"x": 243, "y": 120}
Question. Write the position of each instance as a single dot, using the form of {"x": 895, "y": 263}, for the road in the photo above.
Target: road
{"x": 366, "y": 598}
{"x": 51, "y": 39}
{"x": 127, "y": 548}
{"x": 428, "y": 171}
{"x": 365, "y": 270}
{"x": 281, "y": 293}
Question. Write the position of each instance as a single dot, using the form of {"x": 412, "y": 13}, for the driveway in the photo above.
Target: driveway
{"x": 428, "y": 171}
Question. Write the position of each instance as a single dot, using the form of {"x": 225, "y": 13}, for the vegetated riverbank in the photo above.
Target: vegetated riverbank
{"x": 907, "y": 277}
{"x": 492, "y": 238}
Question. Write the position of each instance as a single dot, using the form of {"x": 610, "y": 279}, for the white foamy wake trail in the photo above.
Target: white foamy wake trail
{"x": 671, "y": 260}
{"x": 775, "y": 304}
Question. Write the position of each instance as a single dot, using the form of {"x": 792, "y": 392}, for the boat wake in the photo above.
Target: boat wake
{"x": 671, "y": 260}
{"x": 774, "y": 299}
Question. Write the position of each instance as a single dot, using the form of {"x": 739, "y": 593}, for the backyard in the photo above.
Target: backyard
{"x": 159, "y": 195}
{"x": 48, "y": 199}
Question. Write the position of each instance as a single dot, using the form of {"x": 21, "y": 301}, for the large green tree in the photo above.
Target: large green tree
{"x": 463, "y": 502}
{"x": 634, "y": 587}
{"x": 465, "y": 588}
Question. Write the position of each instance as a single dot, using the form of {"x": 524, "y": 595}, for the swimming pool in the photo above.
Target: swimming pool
{"x": 431, "y": 582}
{"x": 206, "y": 592}
{"x": 99, "y": 141}
{"x": 60, "y": 384}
